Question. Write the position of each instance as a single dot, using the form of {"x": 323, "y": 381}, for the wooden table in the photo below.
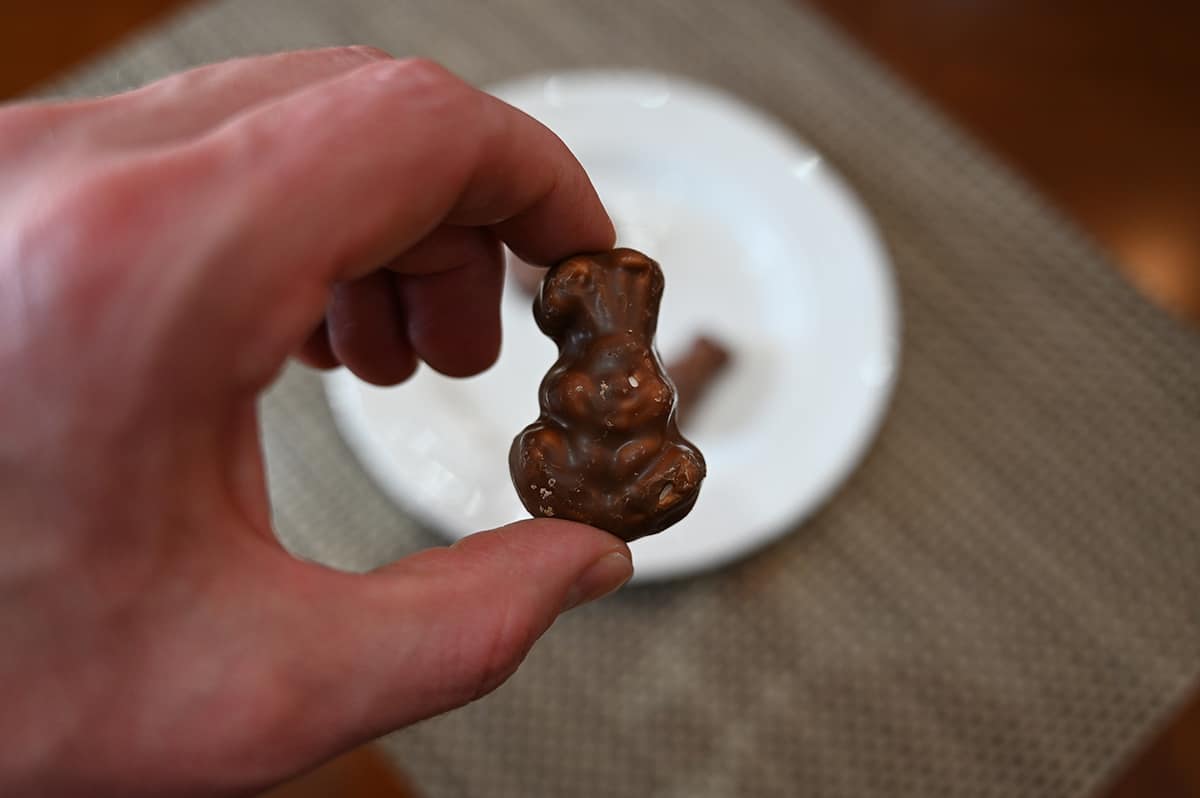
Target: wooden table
{"x": 1096, "y": 101}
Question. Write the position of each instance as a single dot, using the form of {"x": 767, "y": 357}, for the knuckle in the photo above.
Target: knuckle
{"x": 419, "y": 79}
{"x": 236, "y": 147}
{"x": 423, "y": 71}
{"x": 95, "y": 205}
{"x": 367, "y": 52}
{"x": 354, "y": 55}
{"x": 103, "y": 215}
{"x": 81, "y": 238}
{"x": 176, "y": 86}
{"x": 243, "y": 152}
{"x": 79, "y": 235}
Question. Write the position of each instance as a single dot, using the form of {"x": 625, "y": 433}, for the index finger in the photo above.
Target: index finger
{"x": 360, "y": 167}
{"x": 331, "y": 182}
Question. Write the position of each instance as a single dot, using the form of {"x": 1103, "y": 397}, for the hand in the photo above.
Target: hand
{"x": 162, "y": 255}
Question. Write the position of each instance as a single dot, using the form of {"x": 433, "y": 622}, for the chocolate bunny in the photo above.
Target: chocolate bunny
{"x": 605, "y": 450}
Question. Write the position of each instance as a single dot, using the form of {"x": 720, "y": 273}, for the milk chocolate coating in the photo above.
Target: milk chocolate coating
{"x": 605, "y": 450}
{"x": 694, "y": 372}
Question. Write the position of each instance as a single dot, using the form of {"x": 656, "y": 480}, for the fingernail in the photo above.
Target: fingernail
{"x": 602, "y": 577}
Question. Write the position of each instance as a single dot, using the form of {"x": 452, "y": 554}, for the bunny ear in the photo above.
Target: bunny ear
{"x": 637, "y": 283}
{"x": 550, "y": 307}
{"x": 561, "y": 295}
{"x": 643, "y": 268}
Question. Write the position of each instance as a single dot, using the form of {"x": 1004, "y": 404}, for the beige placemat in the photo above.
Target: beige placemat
{"x": 1003, "y": 601}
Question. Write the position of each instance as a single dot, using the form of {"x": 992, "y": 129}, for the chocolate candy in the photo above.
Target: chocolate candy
{"x": 694, "y": 372}
{"x": 605, "y": 450}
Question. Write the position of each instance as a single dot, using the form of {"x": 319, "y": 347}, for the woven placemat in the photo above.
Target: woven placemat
{"x": 1004, "y": 600}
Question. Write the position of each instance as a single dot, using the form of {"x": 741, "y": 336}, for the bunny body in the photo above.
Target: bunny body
{"x": 606, "y": 450}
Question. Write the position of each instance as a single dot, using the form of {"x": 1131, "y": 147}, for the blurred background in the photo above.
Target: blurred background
{"x": 1094, "y": 101}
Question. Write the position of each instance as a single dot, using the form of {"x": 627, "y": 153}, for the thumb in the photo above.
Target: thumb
{"x": 441, "y": 628}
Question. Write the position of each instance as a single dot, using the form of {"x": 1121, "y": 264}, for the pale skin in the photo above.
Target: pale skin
{"x": 164, "y": 252}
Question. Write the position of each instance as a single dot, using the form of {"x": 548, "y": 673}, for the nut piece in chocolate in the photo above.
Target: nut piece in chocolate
{"x": 605, "y": 450}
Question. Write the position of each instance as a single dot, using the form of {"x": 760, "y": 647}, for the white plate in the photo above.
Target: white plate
{"x": 762, "y": 244}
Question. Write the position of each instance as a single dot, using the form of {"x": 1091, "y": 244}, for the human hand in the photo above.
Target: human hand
{"x": 163, "y": 253}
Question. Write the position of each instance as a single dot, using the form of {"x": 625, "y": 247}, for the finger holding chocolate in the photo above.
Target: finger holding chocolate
{"x": 605, "y": 450}
{"x": 527, "y": 278}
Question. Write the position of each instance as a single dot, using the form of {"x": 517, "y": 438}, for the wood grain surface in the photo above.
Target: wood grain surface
{"x": 1097, "y": 101}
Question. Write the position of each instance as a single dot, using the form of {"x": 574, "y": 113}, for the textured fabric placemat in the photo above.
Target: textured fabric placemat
{"x": 1003, "y": 601}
